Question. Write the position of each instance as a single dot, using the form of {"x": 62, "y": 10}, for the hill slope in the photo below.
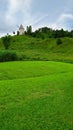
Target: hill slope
{"x": 29, "y": 48}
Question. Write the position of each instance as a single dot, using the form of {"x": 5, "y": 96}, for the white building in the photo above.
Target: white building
{"x": 21, "y": 30}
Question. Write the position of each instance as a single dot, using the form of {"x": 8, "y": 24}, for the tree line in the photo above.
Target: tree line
{"x": 46, "y": 32}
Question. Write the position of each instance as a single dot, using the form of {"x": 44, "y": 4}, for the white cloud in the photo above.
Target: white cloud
{"x": 12, "y": 13}
{"x": 65, "y": 16}
{"x": 14, "y": 7}
{"x": 64, "y": 20}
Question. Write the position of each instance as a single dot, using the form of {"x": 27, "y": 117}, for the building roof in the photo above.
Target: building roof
{"x": 21, "y": 27}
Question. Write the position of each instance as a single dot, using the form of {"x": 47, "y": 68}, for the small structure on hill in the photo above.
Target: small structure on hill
{"x": 21, "y": 30}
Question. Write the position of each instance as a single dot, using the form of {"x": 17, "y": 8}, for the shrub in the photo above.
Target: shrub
{"x": 59, "y": 41}
{"x": 8, "y": 56}
{"x": 6, "y": 41}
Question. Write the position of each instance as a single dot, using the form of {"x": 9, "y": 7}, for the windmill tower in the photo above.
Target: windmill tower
{"x": 21, "y": 30}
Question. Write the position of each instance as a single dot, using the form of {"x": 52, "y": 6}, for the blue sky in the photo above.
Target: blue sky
{"x": 55, "y": 14}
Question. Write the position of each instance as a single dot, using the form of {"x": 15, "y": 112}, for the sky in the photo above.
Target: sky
{"x": 54, "y": 14}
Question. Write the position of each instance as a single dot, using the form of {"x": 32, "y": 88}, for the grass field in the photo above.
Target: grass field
{"x": 36, "y": 95}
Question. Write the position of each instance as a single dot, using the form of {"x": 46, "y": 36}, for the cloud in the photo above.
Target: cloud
{"x": 35, "y": 13}
{"x": 15, "y": 7}
{"x": 65, "y": 16}
{"x": 65, "y": 21}
{"x": 14, "y": 12}
{"x": 40, "y": 19}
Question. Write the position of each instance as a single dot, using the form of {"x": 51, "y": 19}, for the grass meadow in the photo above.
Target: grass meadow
{"x": 36, "y": 95}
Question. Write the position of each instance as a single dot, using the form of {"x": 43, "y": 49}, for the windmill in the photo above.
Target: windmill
{"x": 21, "y": 30}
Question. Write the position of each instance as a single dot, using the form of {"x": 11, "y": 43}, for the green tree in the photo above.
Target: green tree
{"x": 59, "y": 41}
{"x": 29, "y": 30}
{"x": 17, "y": 33}
{"x": 6, "y": 41}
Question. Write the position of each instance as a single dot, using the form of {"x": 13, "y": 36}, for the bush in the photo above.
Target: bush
{"x": 8, "y": 56}
{"x": 59, "y": 41}
{"x": 6, "y": 41}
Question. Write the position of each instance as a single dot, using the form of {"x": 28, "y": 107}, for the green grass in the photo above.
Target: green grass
{"x": 29, "y": 48}
{"x": 36, "y": 95}
{"x": 18, "y": 70}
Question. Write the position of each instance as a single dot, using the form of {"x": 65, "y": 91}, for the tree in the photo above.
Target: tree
{"x": 59, "y": 41}
{"x": 14, "y": 32}
{"x": 6, "y": 41}
{"x": 29, "y": 30}
{"x": 17, "y": 33}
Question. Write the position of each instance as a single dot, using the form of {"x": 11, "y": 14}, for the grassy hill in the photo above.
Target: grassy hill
{"x": 36, "y": 95}
{"x": 29, "y": 48}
